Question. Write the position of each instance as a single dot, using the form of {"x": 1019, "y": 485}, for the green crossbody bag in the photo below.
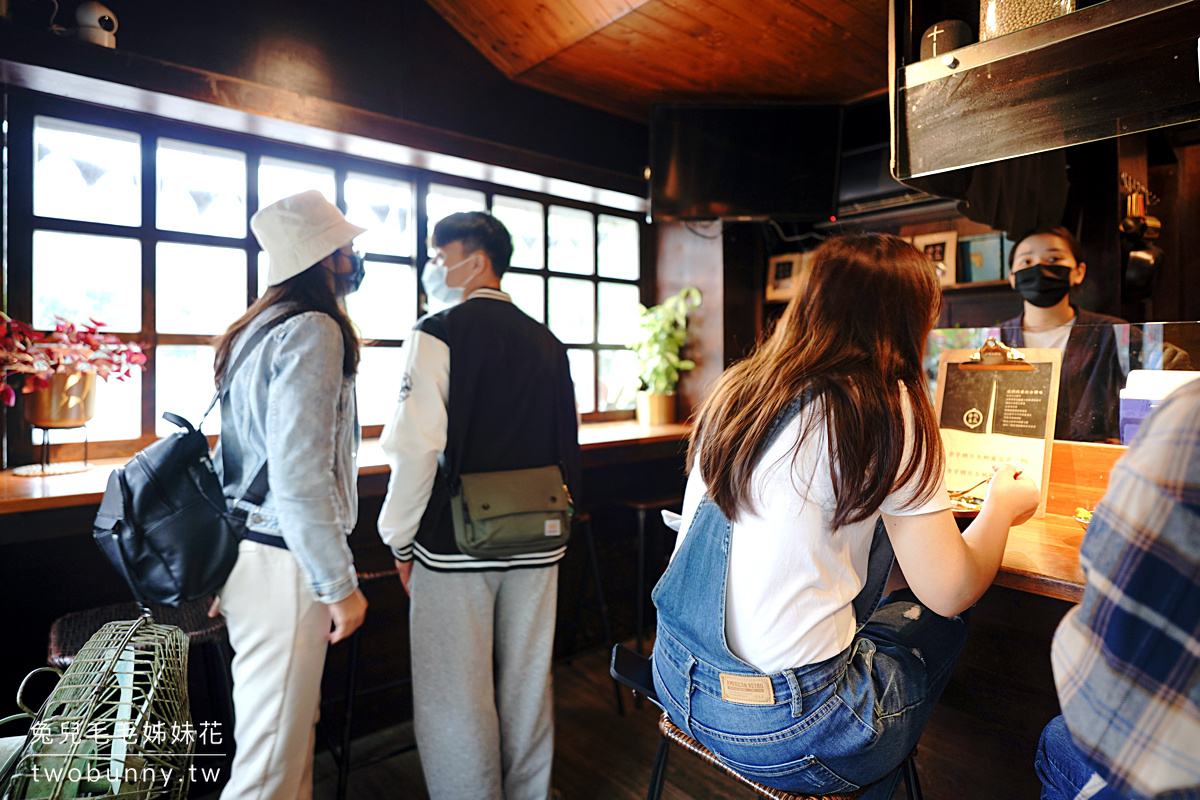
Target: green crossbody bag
{"x": 511, "y": 512}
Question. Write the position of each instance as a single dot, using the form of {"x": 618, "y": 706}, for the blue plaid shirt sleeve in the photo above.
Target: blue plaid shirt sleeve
{"x": 1127, "y": 659}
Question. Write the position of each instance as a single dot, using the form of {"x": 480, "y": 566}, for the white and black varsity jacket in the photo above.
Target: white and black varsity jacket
{"x": 484, "y": 384}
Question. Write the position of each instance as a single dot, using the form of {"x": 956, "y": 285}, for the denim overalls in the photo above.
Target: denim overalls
{"x": 817, "y": 729}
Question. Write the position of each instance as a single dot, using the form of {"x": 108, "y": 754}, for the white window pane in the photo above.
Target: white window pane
{"x": 184, "y": 385}
{"x": 572, "y": 241}
{"x": 619, "y": 251}
{"x": 572, "y": 310}
{"x": 528, "y": 292}
{"x": 378, "y": 385}
{"x": 201, "y": 189}
{"x": 583, "y": 373}
{"x": 86, "y": 172}
{"x": 618, "y": 312}
{"x": 118, "y": 414}
{"x": 442, "y": 201}
{"x": 524, "y": 220}
{"x": 278, "y": 179}
{"x": 385, "y": 208}
{"x": 78, "y": 276}
{"x": 200, "y": 289}
{"x": 385, "y": 306}
{"x": 618, "y": 380}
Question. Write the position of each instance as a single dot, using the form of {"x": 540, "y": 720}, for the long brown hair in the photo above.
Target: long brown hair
{"x": 853, "y": 335}
{"x": 308, "y": 291}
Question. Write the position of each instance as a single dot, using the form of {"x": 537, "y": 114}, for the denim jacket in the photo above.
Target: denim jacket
{"x": 292, "y": 408}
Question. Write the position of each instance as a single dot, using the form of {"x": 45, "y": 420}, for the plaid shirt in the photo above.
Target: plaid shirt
{"x": 1127, "y": 659}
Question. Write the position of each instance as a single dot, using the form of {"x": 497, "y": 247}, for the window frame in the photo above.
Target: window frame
{"x": 23, "y": 106}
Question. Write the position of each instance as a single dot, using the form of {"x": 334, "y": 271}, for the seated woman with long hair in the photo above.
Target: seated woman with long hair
{"x": 816, "y": 464}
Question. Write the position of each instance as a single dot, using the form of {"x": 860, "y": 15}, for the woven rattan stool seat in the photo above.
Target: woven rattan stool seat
{"x": 676, "y": 736}
{"x": 71, "y": 631}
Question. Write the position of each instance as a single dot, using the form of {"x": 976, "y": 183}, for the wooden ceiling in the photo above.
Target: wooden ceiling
{"x": 623, "y": 55}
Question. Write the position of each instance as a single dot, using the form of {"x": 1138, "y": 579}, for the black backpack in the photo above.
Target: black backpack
{"x": 163, "y": 521}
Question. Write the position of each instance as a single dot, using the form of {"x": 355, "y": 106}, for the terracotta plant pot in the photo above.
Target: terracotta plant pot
{"x": 655, "y": 409}
{"x": 68, "y": 402}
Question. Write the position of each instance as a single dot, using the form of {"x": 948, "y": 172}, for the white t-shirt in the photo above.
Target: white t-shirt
{"x": 1047, "y": 338}
{"x": 791, "y": 578}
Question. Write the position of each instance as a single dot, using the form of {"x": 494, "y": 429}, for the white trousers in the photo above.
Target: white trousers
{"x": 483, "y": 708}
{"x": 278, "y": 632}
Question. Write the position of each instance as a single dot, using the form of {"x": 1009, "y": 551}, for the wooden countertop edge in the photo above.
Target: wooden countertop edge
{"x": 39, "y": 493}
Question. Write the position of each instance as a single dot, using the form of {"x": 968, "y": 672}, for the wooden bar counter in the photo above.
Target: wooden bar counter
{"x": 1042, "y": 556}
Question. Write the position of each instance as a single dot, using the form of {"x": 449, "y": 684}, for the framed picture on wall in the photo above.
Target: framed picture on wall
{"x": 942, "y": 249}
{"x": 980, "y": 257}
{"x": 784, "y": 273}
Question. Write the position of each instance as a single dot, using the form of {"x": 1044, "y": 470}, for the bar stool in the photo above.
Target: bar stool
{"x": 582, "y": 521}
{"x": 634, "y": 670}
{"x": 70, "y": 632}
{"x": 642, "y": 506}
{"x": 340, "y": 749}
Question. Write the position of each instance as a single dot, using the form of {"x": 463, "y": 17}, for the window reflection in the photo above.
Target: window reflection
{"x": 524, "y": 220}
{"x": 201, "y": 189}
{"x": 618, "y": 313}
{"x": 572, "y": 310}
{"x": 618, "y": 380}
{"x": 583, "y": 373}
{"x": 86, "y": 172}
{"x": 279, "y": 178}
{"x": 385, "y": 306}
{"x": 618, "y": 247}
{"x": 200, "y": 289}
{"x": 78, "y": 277}
{"x": 527, "y": 291}
{"x": 572, "y": 241}
{"x": 442, "y": 201}
{"x": 118, "y": 414}
{"x": 184, "y": 385}
{"x": 385, "y": 208}
{"x": 378, "y": 384}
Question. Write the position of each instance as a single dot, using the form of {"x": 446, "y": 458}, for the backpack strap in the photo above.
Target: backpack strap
{"x": 256, "y": 492}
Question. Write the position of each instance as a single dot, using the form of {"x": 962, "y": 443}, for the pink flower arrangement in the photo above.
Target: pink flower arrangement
{"x": 68, "y": 348}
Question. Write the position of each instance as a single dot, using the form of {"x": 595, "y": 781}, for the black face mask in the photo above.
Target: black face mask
{"x": 1042, "y": 289}
{"x": 348, "y": 282}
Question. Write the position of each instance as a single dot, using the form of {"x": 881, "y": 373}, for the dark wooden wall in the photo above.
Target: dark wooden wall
{"x": 396, "y": 58}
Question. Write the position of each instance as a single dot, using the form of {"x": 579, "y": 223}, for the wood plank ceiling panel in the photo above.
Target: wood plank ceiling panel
{"x": 640, "y": 52}
{"x": 518, "y": 34}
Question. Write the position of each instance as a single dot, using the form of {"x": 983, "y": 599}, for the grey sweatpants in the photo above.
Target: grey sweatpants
{"x": 482, "y": 699}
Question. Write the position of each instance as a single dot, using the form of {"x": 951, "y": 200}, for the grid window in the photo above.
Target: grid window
{"x": 172, "y": 268}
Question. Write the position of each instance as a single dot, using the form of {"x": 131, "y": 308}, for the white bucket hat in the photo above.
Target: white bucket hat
{"x": 299, "y": 231}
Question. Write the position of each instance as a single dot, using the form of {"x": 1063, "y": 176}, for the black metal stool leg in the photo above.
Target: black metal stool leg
{"x": 603, "y": 606}
{"x": 912, "y": 784}
{"x": 658, "y": 775}
{"x": 641, "y": 579}
{"x": 351, "y": 685}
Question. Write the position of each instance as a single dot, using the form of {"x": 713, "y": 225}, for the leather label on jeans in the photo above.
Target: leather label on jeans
{"x": 747, "y": 690}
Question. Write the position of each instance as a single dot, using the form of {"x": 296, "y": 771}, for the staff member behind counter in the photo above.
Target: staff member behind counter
{"x": 1043, "y": 268}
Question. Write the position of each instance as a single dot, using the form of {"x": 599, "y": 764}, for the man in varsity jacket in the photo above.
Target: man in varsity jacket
{"x": 485, "y": 388}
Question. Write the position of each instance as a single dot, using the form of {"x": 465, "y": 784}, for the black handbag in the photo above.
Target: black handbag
{"x": 164, "y": 523}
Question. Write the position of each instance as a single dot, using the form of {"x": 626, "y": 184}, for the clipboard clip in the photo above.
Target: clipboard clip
{"x": 997, "y": 355}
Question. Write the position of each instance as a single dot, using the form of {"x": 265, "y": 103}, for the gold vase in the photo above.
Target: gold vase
{"x": 68, "y": 402}
{"x": 655, "y": 409}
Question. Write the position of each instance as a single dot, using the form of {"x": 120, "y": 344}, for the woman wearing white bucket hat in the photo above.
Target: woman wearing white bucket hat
{"x": 291, "y": 407}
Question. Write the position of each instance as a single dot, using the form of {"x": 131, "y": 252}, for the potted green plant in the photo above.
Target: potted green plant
{"x": 58, "y": 369}
{"x": 661, "y": 335}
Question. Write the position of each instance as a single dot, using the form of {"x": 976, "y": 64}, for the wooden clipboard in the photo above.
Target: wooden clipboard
{"x": 998, "y": 406}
